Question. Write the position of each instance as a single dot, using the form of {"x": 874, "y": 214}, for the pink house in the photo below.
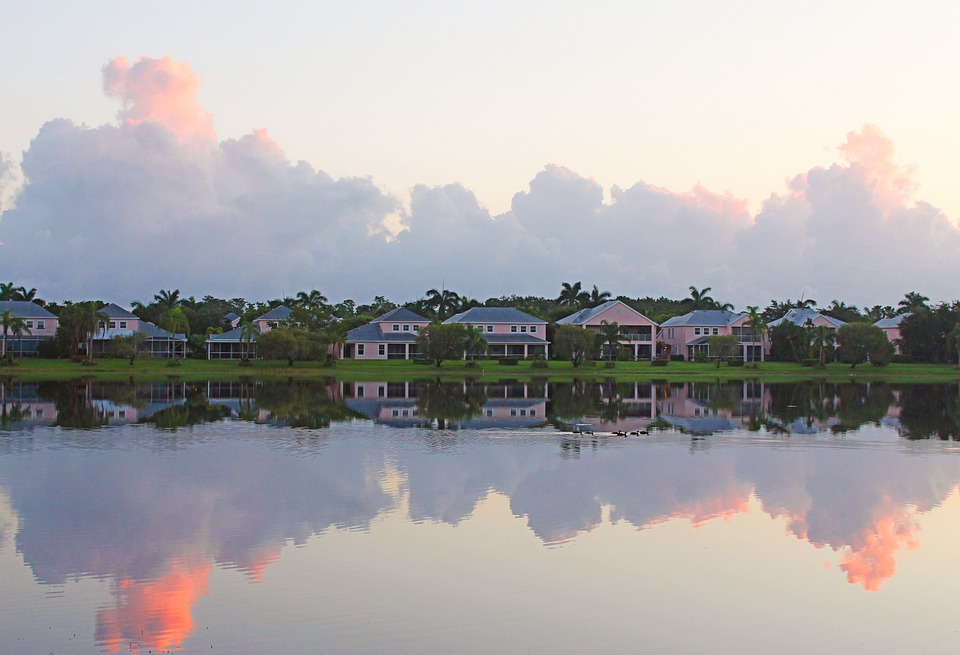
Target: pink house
{"x": 508, "y": 331}
{"x": 40, "y": 325}
{"x": 638, "y": 332}
{"x": 690, "y": 334}
{"x": 120, "y": 322}
{"x": 891, "y": 328}
{"x": 230, "y": 345}
{"x": 392, "y": 336}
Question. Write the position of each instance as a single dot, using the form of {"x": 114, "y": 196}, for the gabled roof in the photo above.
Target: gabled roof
{"x": 494, "y": 315}
{"x": 886, "y": 323}
{"x": 231, "y": 317}
{"x": 371, "y": 332}
{"x": 800, "y": 316}
{"x": 25, "y": 309}
{"x": 154, "y": 332}
{"x": 585, "y": 315}
{"x": 232, "y": 335}
{"x": 115, "y": 311}
{"x": 280, "y": 313}
{"x": 701, "y": 317}
{"x": 401, "y": 314}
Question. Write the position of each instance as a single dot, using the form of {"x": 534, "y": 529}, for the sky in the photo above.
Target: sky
{"x": 766, "y": 150}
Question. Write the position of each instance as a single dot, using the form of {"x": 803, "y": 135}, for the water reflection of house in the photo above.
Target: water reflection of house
{"x": 147, "y": 400}
{"x": 699, "y": 408}
{"x": 22, "y": 406}
{"x": 399, "y": 404}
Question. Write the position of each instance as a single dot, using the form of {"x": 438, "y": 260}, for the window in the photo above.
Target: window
{"x": 489, "y": 413}
{"x": 382, "y": 349}
{"x": 716, "y": 330}
{"x": 406, "y": 412}
{"x": 40, "y": 325}
{"x": 396, "y": 327}
{"x": 396, "y": 413}
{"x": 513, "y": 328}
{"x": 513, "y": 412}
{"x": 29, "y": 325}
{"x": 696, "y": 331}
{"x": 523, "y": 328}
{"x": 99, "y": 325}
{"x": 671, "y": 333}
{"x": 360, "y": 391}
{"x": 122, "y": 413}
{"x": 360, "y": 348}
{"x": 406, "y": 328}
{"x": 416, "y": 328}
{"x": 123, "y": 325}
{"x": 382, "y": 392}
{"x": 489, "y": 328}
{"x": 113, "y": 324}
{"x": 533, "y": 412}
{"x": 533, "y": 328}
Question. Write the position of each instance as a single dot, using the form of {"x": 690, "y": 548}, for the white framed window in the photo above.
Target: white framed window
{"x": 113, "y": 324}
{"x": 360, "y": 349}
{"x": 123, "y": 325}
{"x": 406, "y": 328}
{"x": 396, "y": 413}
{"x": 381, "y": 349}
{"x": 359, "y": 391}
{"x": 513, "y": 328}
{"x": 381, "y": 392}
{"x": 523, "y": 328}
{"x": 716, "y": 330}
{"x": 533, "y": 328}
{"x": 396, "y": 327}
{"x": 29, "y": 325}
{"x": 489, "y": 412}
{"x": 406, "y": 412}
{"x": 533, "y": 412}
{"x": 696, "y": 331}
{"x": 40, "y": 325}
{"x": 489, "y": 328}
{"x": 416, "y": 328}
{"x": 513, "y": 411}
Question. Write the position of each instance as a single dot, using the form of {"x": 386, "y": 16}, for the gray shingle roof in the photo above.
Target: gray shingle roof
{"x": 154, "y": 332}
{"x": 280, "y": 313}
{"x": 494, "y": 315}
{"x": 115, "y": 311}
{"x": 371, "y": 332}
{"x": 232, "y": 335}
{"x": 584, "y": 315}
{"x": 800, "y": 316}
{"x": 401, "y": 314}
{"x": 25, "y": 309}
{"x": 892, "y": 322}
{"x": 512, "y": 338}
{"x": 701, "y": 317}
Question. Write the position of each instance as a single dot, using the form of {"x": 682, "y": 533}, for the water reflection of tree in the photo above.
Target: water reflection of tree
{"x": 450, "y": 401}
{"x": 575, "y": 399}
{"x": 930, "y": 411}
{"x": 861, "y": 404}
{"x": 75, "y": 406}
{"x": 195, "y": 410}
{"x": 302, "y": 404}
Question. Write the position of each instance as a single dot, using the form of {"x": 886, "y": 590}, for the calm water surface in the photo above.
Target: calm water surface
{"x": 476, "y": 518}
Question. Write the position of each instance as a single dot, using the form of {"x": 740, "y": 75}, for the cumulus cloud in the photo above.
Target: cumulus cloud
{"x": 157, "y": 201}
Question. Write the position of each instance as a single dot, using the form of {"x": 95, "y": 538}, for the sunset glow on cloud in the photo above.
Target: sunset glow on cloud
{"x": 92, "y": 192}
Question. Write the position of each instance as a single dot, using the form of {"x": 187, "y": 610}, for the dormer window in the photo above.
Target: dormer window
{"x": 416, "y": 328}
{"x": 513, "y": 328}
{"x": 489, "y": 328}
{"x": 533, "y": 328}
{"x": 406, "y": 328}
{"x": 523, "y": 328}
{"x": 396, "y": 327}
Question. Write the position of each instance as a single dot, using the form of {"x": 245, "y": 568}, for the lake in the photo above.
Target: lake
{"x": 475, "y": 517}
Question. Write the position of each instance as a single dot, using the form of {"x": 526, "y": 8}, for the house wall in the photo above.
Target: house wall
{"x": 536, "y": 329}
{"x": 48, "y": 330}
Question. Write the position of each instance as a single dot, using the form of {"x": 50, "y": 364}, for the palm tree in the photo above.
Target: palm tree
{"x": 23, "y": 293}
{"x": 912, "y": 302}
{"x": 572, "y": 295}
{"x": 86, "y": 320}
{"x": 442, "y": 301}
{"x": 16, "y": 325}
{"x": 313, "y": 300}
{"x": 822, "y": 337}
{"x": 475, "y": 344}
{"x": 610, "y": 335}
{"x": 955, "y": 335}
{"x": 168, "y": 299}
{"x": 700, "y": 298}
{"x": 598, "y": 297}
{"x": 756, "y": 326}
{"x": 174, "y": 322}
{"x": 7, "y": 291}
{"x": 248, "y": 334}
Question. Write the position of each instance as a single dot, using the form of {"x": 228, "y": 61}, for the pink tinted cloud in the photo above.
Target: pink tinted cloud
{"x": 159, "y": 91}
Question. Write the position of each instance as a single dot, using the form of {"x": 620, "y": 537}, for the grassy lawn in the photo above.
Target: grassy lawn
{"x": 400, "y": 370}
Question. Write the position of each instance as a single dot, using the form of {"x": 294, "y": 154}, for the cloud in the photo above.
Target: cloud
{"x": 156, "y": 201}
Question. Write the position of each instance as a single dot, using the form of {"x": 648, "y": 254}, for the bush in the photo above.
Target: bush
{"x": 812, "y": 362}
{"x": 735, "y": 362}
{"x": 677, "y": 358}
{"x": 609, "y": 364}
{"x": 663, "y": 362}
{"x": 700, "y": 357}
{"x": 472, "y": 363}
{"x": 539, "y": 363}
{"x": 902, "y": 359}
{"x": 508, "y": 361}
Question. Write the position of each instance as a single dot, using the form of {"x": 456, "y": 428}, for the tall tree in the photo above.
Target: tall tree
{"x": 610, "y": 335}
{"x": 822, "y": 338}
{"x": 7, "y": 291}
{"x": 572, "y": 295}
{"x": 442, "y": 301}
{"x": 249, "y": 331}
{"x": 700, "y": 298}
{"x": 576, "y": 344}
{"x": 313, "y": 300}
{"x": 757, "y": 327}
{"x": 860, "y": 342}
{"x": 439, "y": 342}
{"x": 913, "y": 301}
{"x": 598, "y": 297}
{"x": 16, "y": 326}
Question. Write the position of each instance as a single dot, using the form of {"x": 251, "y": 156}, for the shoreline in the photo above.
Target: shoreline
{"x": 196, "y": 370}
